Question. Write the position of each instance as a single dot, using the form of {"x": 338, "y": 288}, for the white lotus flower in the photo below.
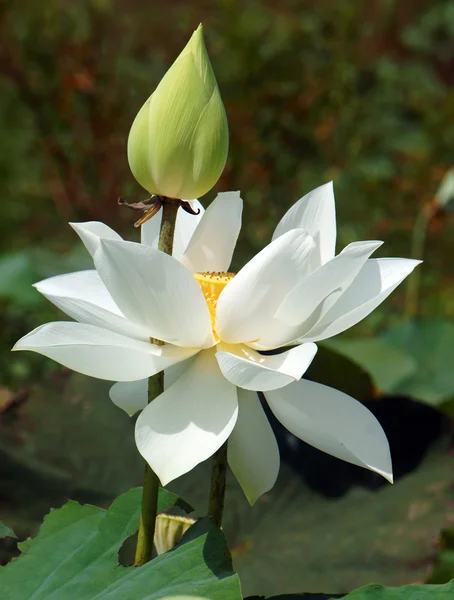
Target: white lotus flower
{"x": 214, "y": 325}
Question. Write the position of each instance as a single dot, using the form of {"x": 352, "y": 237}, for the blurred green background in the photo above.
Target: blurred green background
{"x": 361, "y": 93}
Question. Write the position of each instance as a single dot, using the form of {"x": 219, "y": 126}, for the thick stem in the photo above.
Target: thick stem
{"x": 217, "y": 489}
{"x": 145, "y": 536}
{"x": 169, "y": 216}
{"x": 144, "y": 548}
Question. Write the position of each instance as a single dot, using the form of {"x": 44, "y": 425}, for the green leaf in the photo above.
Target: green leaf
{"x": 383, "y": 535}
{"x": 16, "y": 278}
{"x": 69, "y": 431}
{"x": 49, "y": 263}
{"x": 299, "y": 597}
{"x": 429, "y": 344}
{"x": 19, "y": 270}
{"x": 379, "y": 592}
{"x": 444, "y": 565}
{"x": 387, "y": 365}
{"x": 168, "y": 499}
{"x": 75, "y": 555}
{"x": 406, "y": 592}
{"x": 341, "y": 372}
{"x": 444, "y": 569}
{"x": 184, "y": 598}
{"x": 411, "y": 358}
{"x": 6, "y": 531}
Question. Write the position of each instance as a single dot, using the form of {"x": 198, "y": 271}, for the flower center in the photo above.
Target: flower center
{"x": 212, "y": 285}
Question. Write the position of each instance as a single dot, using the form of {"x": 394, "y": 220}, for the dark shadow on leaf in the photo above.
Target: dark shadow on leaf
{"x": 215, "y": 552}
{"x": 127, "y": 551}
{"x": 410, "y": 426}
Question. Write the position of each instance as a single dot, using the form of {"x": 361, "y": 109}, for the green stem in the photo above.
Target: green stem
{"x": 145, "y": 536}
{"x": 418, "y": 243}
{"x": 144, "y": 548}
{"x": 169, "y": 216}
{"x": 217, "y": 489}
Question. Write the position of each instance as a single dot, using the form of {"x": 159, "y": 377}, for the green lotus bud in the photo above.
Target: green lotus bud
{"x": 178, "y": 143}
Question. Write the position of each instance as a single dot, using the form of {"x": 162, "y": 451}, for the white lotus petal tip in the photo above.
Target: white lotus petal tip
{"x": 358, "y": 247}
{"x": 163, "y": 478}
{"x": 252, "y": 452}
{"x": 130, "y": 396}
{"x": 225, "y": 195}
{"x": 388, "y": 476}
{"x": 385, "y": 472}
{"x": 20, "y": 344}
{"x": 78, "y": 227}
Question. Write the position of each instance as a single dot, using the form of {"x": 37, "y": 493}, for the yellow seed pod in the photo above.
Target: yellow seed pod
{"x": 178, "y": 143}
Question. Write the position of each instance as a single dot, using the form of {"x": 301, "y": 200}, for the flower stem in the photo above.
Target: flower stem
{"x": 217, "y": 489}
{"x": 144, "y": 548}
{"x": 418, "y": 244}
{"x": 169, "y": 216}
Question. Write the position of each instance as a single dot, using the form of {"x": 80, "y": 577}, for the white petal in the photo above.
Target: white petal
{"x": 213, "y": 242}
{"x": 101, "y": 353}
{"x": 91, "y": 232}
{"x": 149, "y": 231}
{"x": 250, "y": 370}
{"x": 84, "y": 297}
{"x": 184, "y": 228}
{"x": 82, "y": 285}
{"x": 189, "y": 421}
{"x": 373, "y": 284}
{"x": 132, "y": 396}
{"x": 334, "y": 423}
{"x": 311, "y": 299}
{"x": 247, "y": 305}
{"x": 171, "y": 374}
{"x": 315, "y": 213}
{"x": 252, "y": 449}
{"x": 156, "y": 291}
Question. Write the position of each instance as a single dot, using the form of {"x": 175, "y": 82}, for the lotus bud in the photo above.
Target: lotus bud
{"x": 178, "y": 143}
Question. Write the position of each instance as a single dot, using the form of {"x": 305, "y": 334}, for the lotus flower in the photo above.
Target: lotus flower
{"x": 215, "y": 326}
